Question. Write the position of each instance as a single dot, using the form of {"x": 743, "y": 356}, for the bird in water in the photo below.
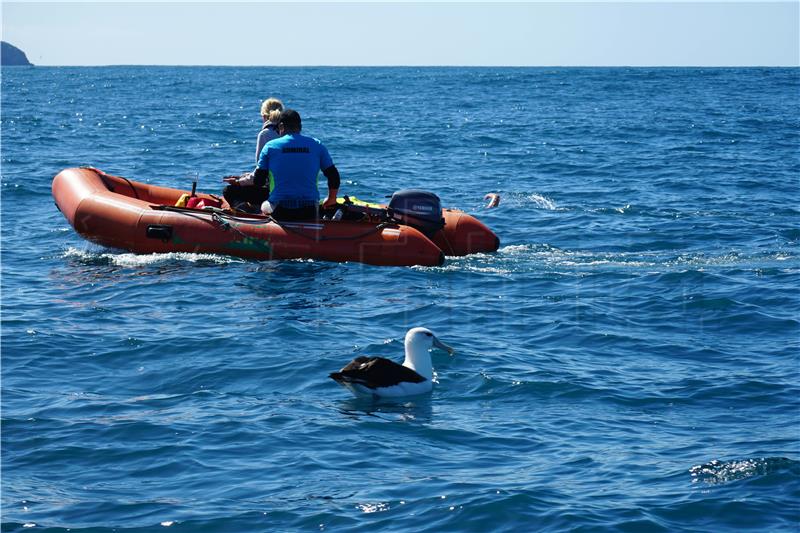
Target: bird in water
{"x": 381, "y": 377}
{"x": 494, "y": 200}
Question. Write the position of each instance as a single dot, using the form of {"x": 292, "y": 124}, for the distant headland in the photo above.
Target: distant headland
{"x": 13, "y": 56}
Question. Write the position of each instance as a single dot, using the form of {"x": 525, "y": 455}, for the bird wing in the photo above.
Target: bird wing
{"x": 375, "y": 372}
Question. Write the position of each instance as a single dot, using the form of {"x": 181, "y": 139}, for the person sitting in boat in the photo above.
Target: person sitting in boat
{"x": 270, "y": 113}
{"x": 291, "y": 164}
{"x": 250, "y": 198}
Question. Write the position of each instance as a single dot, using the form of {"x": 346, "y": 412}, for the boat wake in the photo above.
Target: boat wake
{"x": 130, "y": 260}
{"x": 527, "y": 200}
{"x": 716, "y": 471}
{"x": 551, "y": 256}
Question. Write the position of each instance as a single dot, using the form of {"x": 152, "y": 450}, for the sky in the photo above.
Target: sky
{"x": 570, "y": 33}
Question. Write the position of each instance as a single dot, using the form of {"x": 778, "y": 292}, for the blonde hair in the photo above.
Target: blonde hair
{"x": 271, "y": 108}
{"x": 274, "y": 116}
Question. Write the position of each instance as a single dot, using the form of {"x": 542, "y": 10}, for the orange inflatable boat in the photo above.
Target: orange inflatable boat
{"x": 120, "y": 213}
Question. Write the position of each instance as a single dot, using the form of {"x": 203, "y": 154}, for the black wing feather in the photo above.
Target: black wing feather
{"x": 374, "y": 372}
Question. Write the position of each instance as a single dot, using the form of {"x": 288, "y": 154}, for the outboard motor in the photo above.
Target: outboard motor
{"x": 419, "y": 209}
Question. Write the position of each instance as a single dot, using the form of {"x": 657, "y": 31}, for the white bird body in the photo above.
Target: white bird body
{"x": 381, "y": 377}
{"x": 400, "y": 390}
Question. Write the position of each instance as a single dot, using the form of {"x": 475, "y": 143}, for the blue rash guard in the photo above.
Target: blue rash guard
{"x": 293, "y": 162}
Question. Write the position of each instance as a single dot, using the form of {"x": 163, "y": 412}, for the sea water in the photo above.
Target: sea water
{"x": 626, "y": 361}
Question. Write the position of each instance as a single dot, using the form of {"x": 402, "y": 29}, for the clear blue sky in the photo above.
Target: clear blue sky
{"x": 639, "y": 33}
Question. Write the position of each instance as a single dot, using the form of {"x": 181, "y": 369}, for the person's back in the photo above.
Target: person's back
{"x": 291, "y": 164}
{"x": 294, "y": 162}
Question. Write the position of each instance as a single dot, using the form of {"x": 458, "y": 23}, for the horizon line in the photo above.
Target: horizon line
{"x": 406, "y": 66}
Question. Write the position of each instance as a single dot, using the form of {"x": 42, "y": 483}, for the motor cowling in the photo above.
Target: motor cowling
{"x": 419, "y": 209}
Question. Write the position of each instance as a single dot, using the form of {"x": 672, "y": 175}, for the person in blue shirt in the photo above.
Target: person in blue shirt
{"x": 290, "y": 166}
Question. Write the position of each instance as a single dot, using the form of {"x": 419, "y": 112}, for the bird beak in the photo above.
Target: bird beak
{"x": 442, "y": 346}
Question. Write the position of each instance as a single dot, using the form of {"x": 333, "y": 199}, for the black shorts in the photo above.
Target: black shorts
{"x": 309, "y": 212}
{"x": 252, "y": 194}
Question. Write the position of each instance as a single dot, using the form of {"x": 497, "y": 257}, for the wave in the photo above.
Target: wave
{"x": 553, "y": 256}
{"x": 527, "y": 199}
{"x": 131, "y": 260}
{"x": 717, "y": 472}
{"x": 542, "y": 201}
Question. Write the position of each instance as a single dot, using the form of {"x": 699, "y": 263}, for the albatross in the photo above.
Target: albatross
{"x": 381, "y": 377}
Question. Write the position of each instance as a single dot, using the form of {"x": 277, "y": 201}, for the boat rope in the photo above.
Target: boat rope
{"x": 221, "y": 213}
{"x": 447, "y": 241}
{"x": 222, "y": 218}
{"x": 102, "y": 175}
{"x": 225, "y": 225}
{"x": 376, "y": 229}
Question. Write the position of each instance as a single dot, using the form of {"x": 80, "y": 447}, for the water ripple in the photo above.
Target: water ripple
{"x": 640, "y": 317}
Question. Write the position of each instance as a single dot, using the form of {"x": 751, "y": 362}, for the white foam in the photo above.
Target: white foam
{"x": 479, "y": 269}
{"x": 515, "y": 248}
{"x": 542, "y": 201}
{"x": 373, "y": 507}
{"x": 557, "y": 257}
{"x": 80, "y": 254}
{"x": 139, "y": 260}
{"x": 460, "y": 265}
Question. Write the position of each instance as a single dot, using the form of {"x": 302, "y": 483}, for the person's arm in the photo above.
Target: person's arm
{"x": 259, "y": 177}
{"x": 334, "y": 181}
{"x": 260, "y": 142}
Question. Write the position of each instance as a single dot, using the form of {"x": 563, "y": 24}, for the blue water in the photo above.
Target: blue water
{"x": 627, "y": 361}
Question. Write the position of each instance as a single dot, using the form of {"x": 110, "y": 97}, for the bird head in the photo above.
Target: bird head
{"x": 419, "y": 341}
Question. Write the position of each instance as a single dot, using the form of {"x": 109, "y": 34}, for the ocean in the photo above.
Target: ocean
{"x": 626, "y": 361}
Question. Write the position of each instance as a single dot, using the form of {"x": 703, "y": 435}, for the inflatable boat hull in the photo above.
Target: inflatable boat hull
{"x": 120, "y": 213}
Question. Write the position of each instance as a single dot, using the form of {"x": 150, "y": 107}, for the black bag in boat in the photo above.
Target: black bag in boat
{"x": 419, "y": 209}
